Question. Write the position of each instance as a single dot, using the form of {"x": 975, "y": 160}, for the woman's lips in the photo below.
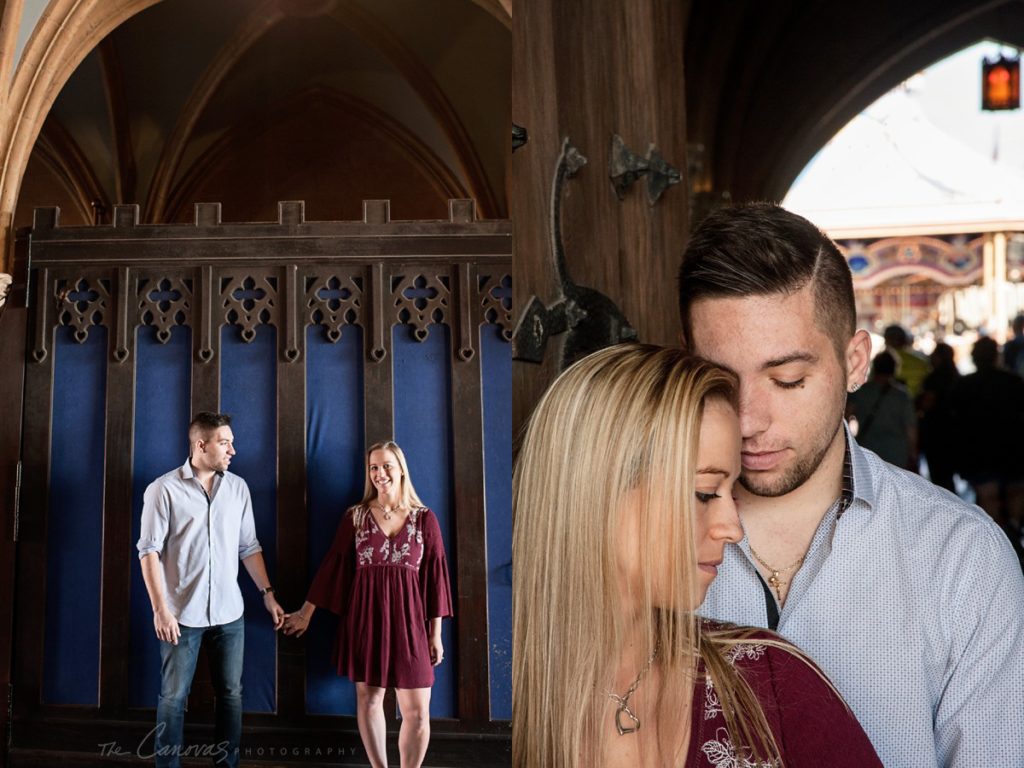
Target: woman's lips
{"x": 761, "y": 461}
{"x": 711, "y": 568}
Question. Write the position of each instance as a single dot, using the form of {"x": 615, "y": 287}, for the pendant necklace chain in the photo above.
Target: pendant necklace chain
{"x": 777, "y": 583}
{"x": 386, "y": 513}
{"x": 633, "y": 724}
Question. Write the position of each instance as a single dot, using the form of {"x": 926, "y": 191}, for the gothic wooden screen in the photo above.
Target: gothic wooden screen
{"x": 320, "y": 338}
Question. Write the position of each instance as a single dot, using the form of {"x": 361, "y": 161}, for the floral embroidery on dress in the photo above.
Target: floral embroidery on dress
{"x": 720, "y": 751}
{"x": 398, "y": 553}
{"x": 744, "y": 651}
{"x": 405, "y": 547}
{"x": 412, "y": 530}
{"x": 712, "y": 706}
{"x": 722, "y": 754}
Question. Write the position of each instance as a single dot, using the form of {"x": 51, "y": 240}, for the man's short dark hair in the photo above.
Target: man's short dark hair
{"x": 205, "y": 422}
{"x": 760, "y": 249}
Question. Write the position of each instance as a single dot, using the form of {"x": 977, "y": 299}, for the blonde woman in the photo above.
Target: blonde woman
{"x": 387, "y": 579}
{"x": 623, "y": 504}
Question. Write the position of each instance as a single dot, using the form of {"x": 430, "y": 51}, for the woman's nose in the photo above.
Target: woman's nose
{"x": 727, "y": 526}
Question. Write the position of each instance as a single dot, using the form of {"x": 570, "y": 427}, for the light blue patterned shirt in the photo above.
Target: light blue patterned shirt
{"x": 200, "y": 540}
{"x": 913, "y": 603}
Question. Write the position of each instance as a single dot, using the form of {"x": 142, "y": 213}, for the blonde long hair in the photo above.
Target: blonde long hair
{"x": 407, "y": 497}
{"x": 627, "y": 417}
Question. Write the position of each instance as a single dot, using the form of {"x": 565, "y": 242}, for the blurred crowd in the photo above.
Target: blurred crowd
{"x": 964, "y": 431}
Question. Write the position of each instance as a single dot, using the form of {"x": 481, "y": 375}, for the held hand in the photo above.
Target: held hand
{"x": 166, "y": 626}
{"x": 274, "y": 609}
{"x": 296, "y": 623}
{"x": 436, "y": 650}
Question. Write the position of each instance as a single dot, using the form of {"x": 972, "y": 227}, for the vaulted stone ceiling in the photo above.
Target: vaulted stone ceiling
{"x": 186, "y": 81}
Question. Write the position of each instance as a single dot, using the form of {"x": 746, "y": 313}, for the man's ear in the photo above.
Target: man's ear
{"x": 858, "y": 359}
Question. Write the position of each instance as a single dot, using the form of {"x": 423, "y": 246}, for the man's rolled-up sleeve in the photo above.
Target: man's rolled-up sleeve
{"x": 248, "y": 544}
{"x": 155, "y": 520}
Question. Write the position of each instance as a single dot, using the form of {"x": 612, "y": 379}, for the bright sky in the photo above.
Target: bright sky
{"x": 925, "y": 152}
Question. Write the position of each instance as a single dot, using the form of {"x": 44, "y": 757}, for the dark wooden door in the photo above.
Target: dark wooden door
{"x": 320, "y": 338}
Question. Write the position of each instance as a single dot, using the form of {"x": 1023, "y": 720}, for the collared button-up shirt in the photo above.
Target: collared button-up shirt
{"x": 912, "y": 602}
{"x": 200, "y": 538}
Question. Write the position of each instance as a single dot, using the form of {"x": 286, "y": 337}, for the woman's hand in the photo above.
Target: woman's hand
{"x": 434, "y": 641}
{"x": 436, "y": 651}
{"x": 297, "y": 623}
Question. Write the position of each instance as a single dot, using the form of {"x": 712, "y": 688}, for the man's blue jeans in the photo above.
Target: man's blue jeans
{"x": 224, "y": 647}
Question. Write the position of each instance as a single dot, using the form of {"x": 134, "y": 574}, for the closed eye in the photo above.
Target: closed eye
{"x": 790, "y": 384}
{"x": 704, "y": 498}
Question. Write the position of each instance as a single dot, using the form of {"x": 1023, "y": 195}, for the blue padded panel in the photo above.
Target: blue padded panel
{"x": 162, "y": 412}
{"x": 496, "y": 363}
{"x": 71, "y": 639}
{"x": 334, "y": 448}
{"x": 248, "y": 391}
{"x": 422, "y": 391}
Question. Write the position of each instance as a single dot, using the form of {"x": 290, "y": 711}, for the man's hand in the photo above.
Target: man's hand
{"x": 274, "y": 609}
{"x": 166, "y": 626}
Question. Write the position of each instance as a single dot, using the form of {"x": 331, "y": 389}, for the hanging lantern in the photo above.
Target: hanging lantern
{"x": 1000, "y": 83}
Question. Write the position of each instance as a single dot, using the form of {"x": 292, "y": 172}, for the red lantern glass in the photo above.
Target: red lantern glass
{"x": 1000, "y": 83}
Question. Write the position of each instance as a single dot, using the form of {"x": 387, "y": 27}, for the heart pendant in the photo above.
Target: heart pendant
{"x": 624, "y": 729}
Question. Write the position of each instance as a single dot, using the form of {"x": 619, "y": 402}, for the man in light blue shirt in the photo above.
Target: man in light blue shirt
{"x": 909, "y": 599}
{"x": 197, "y": 523}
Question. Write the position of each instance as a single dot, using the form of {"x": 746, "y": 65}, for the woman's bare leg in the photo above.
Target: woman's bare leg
{"x": 414, "y": 735}
{"x": 372, "y": 726}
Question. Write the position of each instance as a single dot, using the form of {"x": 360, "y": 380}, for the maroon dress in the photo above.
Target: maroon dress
{"x": 385, "y": 591}
{"x": 812, "y": 725}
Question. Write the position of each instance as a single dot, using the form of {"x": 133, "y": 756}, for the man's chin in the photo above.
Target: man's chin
{"x": 771, "y": 484}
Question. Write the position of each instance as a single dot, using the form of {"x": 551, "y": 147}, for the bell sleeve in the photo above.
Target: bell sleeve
{"x": 435, "y": 588}
{"x": 332, "y": 584}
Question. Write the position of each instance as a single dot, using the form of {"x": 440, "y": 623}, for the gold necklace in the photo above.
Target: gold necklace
{"x": 386, "y": 513}
{"x": 774, "y": 579}
{"x": 623, "y": 700}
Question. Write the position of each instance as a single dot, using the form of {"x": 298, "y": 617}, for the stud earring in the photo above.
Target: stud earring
{"x": 854, "y": 387}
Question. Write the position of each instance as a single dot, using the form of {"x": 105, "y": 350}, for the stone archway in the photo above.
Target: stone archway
{"x": 67, "y": 31}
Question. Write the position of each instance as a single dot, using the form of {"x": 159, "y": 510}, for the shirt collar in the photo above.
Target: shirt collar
{"x": 857, "y": 483}
{"x": 188, "y": 473}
